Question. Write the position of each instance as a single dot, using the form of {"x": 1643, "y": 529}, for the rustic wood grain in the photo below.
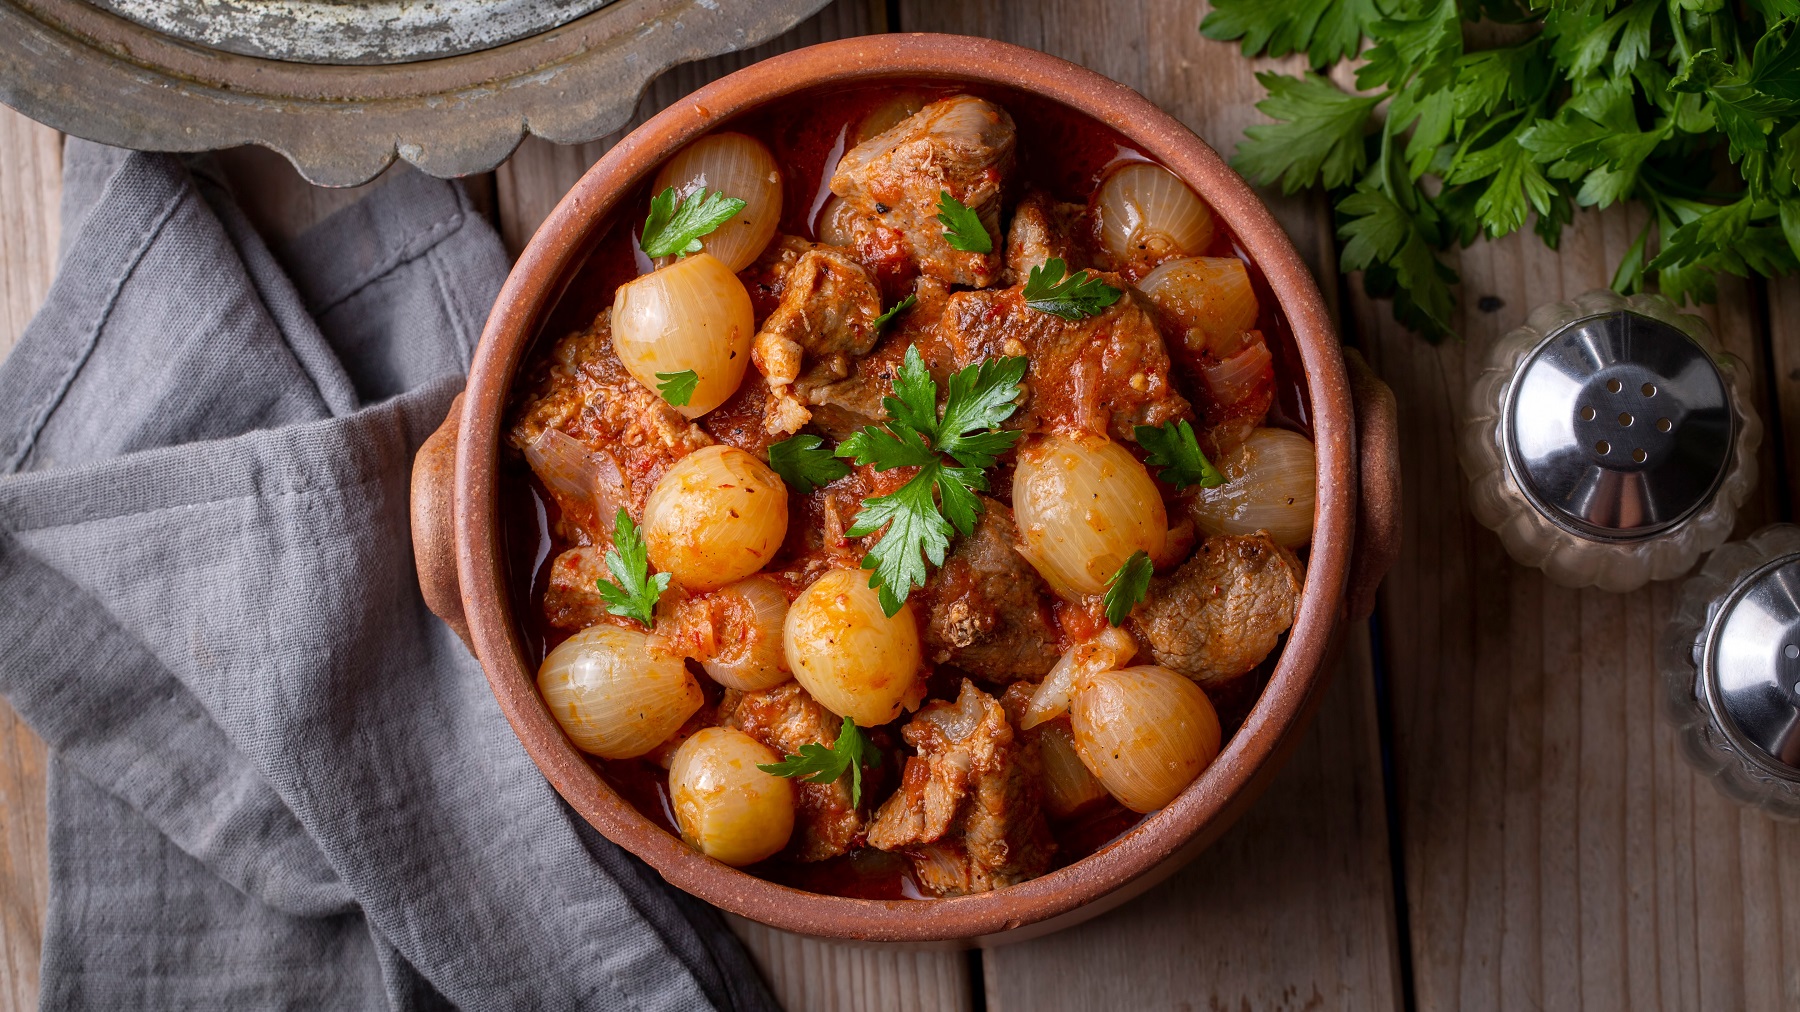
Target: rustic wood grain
{"x": 1784, "y": 354}
{"x": 30, "y": 186}
{"x": 1558, "y": 852}
{"x": 1294, "y": 907}
{"x": 807, "y": 974}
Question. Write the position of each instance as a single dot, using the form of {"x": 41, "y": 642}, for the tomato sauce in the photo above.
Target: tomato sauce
{"x": 1065, "y": 153}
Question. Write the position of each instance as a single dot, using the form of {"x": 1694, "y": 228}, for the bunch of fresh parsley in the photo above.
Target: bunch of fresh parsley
{"x": 1690, "y": 107}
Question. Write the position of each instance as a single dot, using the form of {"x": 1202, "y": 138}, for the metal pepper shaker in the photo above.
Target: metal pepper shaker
{"x": 1609, "y": 441}
{"x": 1730, "y": 662}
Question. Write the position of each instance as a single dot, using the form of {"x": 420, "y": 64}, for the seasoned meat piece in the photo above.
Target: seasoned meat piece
{"x": 960, "y": 145}
{"x": 1101, "y": 374}
{"x": 743, "y": 420}
{"x": 840, "y": 407}
{"x": 990, "y": 611}
{"x": 785, "y": 718}
{"x": 582, "y": 388}
{"x": 826, "y": 315}
{"x": 1042, "y": 228}
{"x": 1219, "y": 615}
{"x": 967, "y": 811}
{"x": 571, "y": 600}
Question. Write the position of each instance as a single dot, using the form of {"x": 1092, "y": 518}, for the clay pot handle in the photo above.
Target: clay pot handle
{"x": 1378, "y": 491}
{"x": 433, "y": 526}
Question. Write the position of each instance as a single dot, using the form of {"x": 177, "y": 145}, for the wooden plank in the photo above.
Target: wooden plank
{"x": 30, "y": 186}
{"x": 1294, "y": 907}
{"x": 807, "y": 974}
{"x": 1559, "y": 854}
{"x": 804, "y": 973}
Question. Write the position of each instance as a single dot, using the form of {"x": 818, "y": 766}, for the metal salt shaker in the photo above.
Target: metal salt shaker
{"x": 1609, "y": 441}
{"x": 1730, "y": 661}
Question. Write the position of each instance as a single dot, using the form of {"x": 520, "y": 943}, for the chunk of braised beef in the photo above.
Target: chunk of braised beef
{"x": 1104, "y": 374}
{"x": 1043, "y": 227}
{"x": 989, "y": 611}
{"x": 841, "y": 406}
{"x": 824, "y": 318}
{"x": 582, "y": 389}
{"x": 967, "y": 811}
{"x": 1216, "y": 617}
{"x": 961, "y": 145}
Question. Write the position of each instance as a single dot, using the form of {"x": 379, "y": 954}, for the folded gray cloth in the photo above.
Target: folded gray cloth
{"x": 276, "y": 780}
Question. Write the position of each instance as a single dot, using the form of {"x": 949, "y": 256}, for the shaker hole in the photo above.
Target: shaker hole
{"x": 1790, "y": 651}
{"x": 1639, "y": 455}
{"x": 1613, "y": 386}
{"x": 1603, "y": 447}
{"x": 1625, "y": 418}
{"x": 1664, "y": 425}
{"x": 1649, "y": 390}
{"x": 1587, "y": 414}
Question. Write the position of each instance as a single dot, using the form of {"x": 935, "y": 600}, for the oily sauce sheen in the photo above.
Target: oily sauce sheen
{"x": 1065, "y": 153}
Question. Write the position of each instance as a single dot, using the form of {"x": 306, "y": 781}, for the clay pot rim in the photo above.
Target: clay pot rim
{"x": 533, "y": 287}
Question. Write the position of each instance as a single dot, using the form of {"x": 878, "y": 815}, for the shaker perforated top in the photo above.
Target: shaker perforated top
{"x": 1618, "y": 426}
{"x": 1751, "y": 669}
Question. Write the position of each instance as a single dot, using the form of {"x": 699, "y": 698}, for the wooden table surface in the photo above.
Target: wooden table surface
{"x": 1487, "y": 812}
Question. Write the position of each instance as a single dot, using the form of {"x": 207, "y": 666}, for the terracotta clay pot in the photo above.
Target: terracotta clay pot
{"x": 1355, "y": 533}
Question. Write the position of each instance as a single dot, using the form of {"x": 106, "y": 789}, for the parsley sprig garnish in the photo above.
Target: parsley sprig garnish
{"x": 804, "y": 463}
{"x": 1173, "y": 448}
{"x": 635, "y": 591}
{"x": 819, "y": 764}
{"x": 677, "y": 387}
{"x": 895, "y": 310}
{"x": 963, "y": 229}
{"x": 1127, "y": 587}
{"x": 675, "y": 227}
{"x": 921, "y": 515}
{"x": 1079, "y": 295}
{"x": 1691, "y": 110}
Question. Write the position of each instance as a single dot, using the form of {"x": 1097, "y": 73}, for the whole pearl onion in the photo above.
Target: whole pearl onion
{"x": 1209, "y": 297}
{"x": 737, "y": 166}
{"x": 1271, "y": 484}
{"x": 717, "y": 515}
{"x": 693, "y": 314}
{"x": 1144, "y": 732}
{"x": 749, "y": 654}
{"x": 611, "y": 696}
{"x": 847, "y": 653}
{"x": 726, "y": 808}
{"x": 1147, "y": 215}
{"x": 1084, "y": 504}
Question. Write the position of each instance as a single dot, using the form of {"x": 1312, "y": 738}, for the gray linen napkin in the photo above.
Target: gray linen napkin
{"x": 277, "y": 781}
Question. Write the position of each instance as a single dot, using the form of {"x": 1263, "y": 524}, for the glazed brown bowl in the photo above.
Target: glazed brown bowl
{"x": 463, "y": 571}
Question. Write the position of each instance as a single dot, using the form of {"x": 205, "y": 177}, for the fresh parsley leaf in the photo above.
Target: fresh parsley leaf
{"x": 1077, "y": 296}
{"x": 1318, "y": 136}
{"x": 1127, "y": 587}
{"x": 819, "y": 764}
{"x": 804, "y": 464}
{"x": 677, "y": 387}
{"x": 963, "y": 229}
{"x": 634, "y": 592}
{"x": 1173, "y": 448}
{"x": 895, "y": 310}
{"x": 1392, "y": 247}
{"x": 921, "y": 516}
{"x": 675, "y": 227}
{"x": 1325, "y": 30}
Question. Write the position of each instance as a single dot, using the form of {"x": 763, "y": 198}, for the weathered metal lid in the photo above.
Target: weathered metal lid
{"x": 365, "y": 32}
{"x": 1751, "y": 667}
{"x": 1618, "y": 426}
